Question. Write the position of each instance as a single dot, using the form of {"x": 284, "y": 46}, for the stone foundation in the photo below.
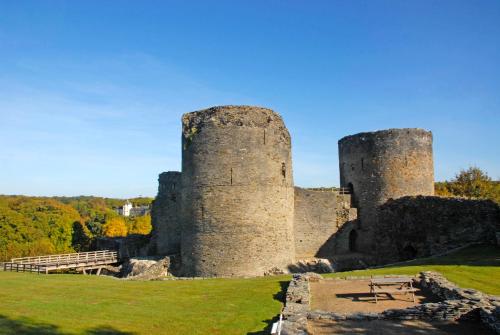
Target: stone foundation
{"x": 457, "y": 304}
{"x": 297, "y": 305}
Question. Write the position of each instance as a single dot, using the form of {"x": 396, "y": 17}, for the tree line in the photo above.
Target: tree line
{"x": 32, "y": 226}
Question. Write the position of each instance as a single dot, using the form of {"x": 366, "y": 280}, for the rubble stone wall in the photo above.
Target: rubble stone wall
{"x": 411, "y": 227}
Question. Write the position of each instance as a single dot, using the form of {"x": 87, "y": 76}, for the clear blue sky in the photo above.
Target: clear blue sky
{"x": 91, "y": 92}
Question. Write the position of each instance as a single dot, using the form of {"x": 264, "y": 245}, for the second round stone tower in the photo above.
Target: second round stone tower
{"x": 238, "y": 196}
{"x": 377, "y": 166}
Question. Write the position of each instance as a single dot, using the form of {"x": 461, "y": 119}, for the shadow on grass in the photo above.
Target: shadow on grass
{"x": 25, "y": 326}
{"x": 280, "y": 296}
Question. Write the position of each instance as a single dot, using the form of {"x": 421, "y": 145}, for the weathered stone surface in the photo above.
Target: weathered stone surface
{"x": 165, "y": 214}
{"x": 148, "y": 268}
{"x": 136, "y": 266}
{"x": 237, "y": 194}
{"x": 233, "y": 211}
{"x": 381, "y": 165}
{"x": 460, "y": 303}
{"x": 319, "y": 265}
{"x": 298, "y": 289}
{"x": 319, "y": 214}
{"x": 420, "y": 226}
{"x": 297, "y": 304}
{"x": 296, "y": 327}
{"x": 490, "y": 316}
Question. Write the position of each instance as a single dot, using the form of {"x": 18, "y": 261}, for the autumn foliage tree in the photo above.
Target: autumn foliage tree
{"x": 115, "y": 227}
{"x": 140, "y": 225}
{"x": 32, "y": 226}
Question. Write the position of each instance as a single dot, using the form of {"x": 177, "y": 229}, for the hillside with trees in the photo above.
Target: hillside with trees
{"x": 41, "y": 225}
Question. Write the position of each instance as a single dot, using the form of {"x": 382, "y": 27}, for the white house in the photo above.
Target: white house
{"x": 125, "y": 210}
{"x": 129, "y": 210}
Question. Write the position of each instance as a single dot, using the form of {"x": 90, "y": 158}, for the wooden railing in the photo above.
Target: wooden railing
{"x": 80, "y": 257}
{"x": 79, "y": 261}
{"x": 340, "y": 190}
{"x": 23, "y": 267}
{"x": 344, "y": 190}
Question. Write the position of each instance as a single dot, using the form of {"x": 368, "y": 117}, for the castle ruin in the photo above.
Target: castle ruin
{"x": 234, "y": 210}
{"x": 384, "y": 165}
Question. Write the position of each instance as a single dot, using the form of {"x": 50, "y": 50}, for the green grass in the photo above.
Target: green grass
{"x": 475, "y": 267}
{"x": 76, "y": 304}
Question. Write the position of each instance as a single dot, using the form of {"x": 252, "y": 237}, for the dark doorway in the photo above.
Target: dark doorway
{"x": 353, "y": 236}
{"x": 350, "y": 189}
{"x": 408, "y": 252}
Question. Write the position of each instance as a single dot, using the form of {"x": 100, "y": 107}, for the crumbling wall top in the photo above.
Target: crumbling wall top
{"x": 231, "y": 115}
{"x": 387, "y": 133}
{"x": 169, "y": 176}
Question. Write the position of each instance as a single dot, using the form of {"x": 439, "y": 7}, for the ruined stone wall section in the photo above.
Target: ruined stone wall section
{"x": 422, "y": 226}
{"x": 237, "y": 217}
{"x": 382, "y": 165}
{"x": 165, "y": 212}
{"x": 318, "y": 216}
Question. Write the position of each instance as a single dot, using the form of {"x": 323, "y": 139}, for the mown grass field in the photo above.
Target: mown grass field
{"x": 76, "y": 304}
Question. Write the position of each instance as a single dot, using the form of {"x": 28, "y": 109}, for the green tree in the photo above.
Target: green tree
{"x": 33, "y": 226}
{"x": 442, "y": 189}
{"x": 82, "y": 237}
{"x": 472, "y": 183}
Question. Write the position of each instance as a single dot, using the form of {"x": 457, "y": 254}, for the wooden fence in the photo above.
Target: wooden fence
{"x": 80, "y": 261}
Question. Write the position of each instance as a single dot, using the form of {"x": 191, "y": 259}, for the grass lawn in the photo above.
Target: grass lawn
{"x": 76, "y": 304}
{"x": 475, "y": 267}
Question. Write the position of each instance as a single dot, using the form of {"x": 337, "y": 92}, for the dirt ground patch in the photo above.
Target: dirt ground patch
{"x": 393, "y": 327}
{"x": 351, "y": 296}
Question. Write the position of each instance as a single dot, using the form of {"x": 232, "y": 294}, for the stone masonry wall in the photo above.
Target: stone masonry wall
{"x": 237, "y": 217}
{"x": 318, "y": 216}
{"x": 382, "y": 165}
{"x": 166, "y": 234}
{"x": 421, "y": 226}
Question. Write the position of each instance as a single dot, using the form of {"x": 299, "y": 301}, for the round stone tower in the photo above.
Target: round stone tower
{"x": 165, "y": 214}
{"x": 237, "y": 193}
{"x": 380, "y": 165}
